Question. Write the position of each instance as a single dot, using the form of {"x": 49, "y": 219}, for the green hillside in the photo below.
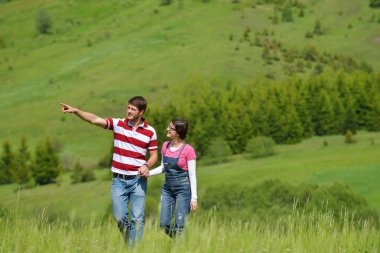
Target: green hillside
{"x": 99, "y": 53}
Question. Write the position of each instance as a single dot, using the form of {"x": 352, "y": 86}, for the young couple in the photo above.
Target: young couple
{"x": 133, "y": 137}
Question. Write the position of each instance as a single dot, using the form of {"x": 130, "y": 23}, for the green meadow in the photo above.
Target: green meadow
{"x": 69, "y": 217}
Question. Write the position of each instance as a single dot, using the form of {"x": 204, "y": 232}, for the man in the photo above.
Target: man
{"x": 133, "y": 137}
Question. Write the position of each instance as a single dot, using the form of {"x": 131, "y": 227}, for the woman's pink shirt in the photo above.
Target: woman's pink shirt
{"x": 188, "y": 154}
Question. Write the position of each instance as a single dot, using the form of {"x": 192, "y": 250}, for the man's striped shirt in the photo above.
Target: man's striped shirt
{"x": 130, "y": 145}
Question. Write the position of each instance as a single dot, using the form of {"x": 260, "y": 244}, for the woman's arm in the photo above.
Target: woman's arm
{"x": 193, "y": 184}
{"x": 158, "y": 170}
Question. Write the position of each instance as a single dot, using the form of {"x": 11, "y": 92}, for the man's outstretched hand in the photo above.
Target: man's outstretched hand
{"x": 68, "y": 108}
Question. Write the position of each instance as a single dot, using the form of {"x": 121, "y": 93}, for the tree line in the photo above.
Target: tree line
{"x": 231, "y": 119}
{"x": 288, "y": 112}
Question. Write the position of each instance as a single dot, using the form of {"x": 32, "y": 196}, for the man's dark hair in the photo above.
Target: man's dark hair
{"x": 139, "y": 102}
{"x": 181, "y": 126}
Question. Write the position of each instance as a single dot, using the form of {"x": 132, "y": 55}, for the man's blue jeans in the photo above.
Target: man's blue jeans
{"x": 124, "y": 192}
{"x": 175, "y": 200}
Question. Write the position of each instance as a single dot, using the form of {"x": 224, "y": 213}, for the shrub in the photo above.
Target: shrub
{"x": 301, "y": 13}
{"x": 81, "y": 174}
{"x": 374, "y": 3}
{"x": 260, "y": 146}
{"x": 317, "y": 27}
{"x": 310, "y": 53}
{"x": 43, "y": 22}
{"x": 308, "y": 35}
{"x": 274, "y": 199}
{"x": 287, "y": 14}
{"x": 219, "y": 151}
{"x": 349, "y": 137}
{"x": 166, "y": 2}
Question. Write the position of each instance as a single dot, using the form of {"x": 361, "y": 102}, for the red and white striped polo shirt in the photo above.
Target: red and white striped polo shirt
{"x": 130, "y": 145}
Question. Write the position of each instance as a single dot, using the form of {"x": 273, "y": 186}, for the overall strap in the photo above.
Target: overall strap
{"x": 180, "y": 153}
{"x": 167, "y": 145}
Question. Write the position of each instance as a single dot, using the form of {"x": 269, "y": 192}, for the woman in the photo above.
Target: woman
{"x": 179, "y": 193}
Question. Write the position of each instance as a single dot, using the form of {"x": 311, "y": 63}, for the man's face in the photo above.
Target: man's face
{"x": 133, "y": 112}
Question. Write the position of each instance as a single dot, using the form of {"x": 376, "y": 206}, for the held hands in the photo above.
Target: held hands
{"x": 144, "y": 171}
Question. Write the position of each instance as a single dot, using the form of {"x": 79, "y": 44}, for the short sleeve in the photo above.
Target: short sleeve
{"x": 163, "y": 147}
{"x": 109, "y": 124}
{"x": 153, "y": 142}
{"x": 190, "y": 154}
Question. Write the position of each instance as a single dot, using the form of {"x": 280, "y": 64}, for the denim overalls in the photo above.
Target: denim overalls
{"x": 176, "y": 194}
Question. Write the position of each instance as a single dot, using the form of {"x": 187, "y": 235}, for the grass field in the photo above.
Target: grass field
{"x": 298, "y": 233}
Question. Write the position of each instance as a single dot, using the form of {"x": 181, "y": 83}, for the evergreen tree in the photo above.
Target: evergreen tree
{"x": 292, "y": 131}
{"x": 362, "y": 101}
{"x": 324, "y": 122}
{"x": 237, "y": 127}
{"x": 339, "y": 112}
{"x": 22, "y": 169}
{"x": 259, "y": 119}
{"x": 343, "y": 86}
{"x": 274, "y": 120}
{"x": 350, "y": 122}
{"x": 46, "y": 166}
{"x": 373, "y": 123}
{"x": 7, "y": 162}
{"x": 202, "y": 124}
{"x": 200, "y": 132}
{"x": 303, "y": 112}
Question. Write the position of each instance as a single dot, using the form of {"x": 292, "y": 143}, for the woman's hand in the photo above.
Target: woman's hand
{"x": 193, "y": 205}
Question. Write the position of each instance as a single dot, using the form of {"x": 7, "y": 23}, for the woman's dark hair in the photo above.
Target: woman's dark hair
{"x": 181, "y": 126}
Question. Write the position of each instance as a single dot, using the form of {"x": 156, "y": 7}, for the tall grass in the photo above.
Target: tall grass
{"x": 297, "y": 233}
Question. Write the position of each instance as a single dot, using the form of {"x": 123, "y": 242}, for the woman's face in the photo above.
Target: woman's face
{"x": 171, "y": 133}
